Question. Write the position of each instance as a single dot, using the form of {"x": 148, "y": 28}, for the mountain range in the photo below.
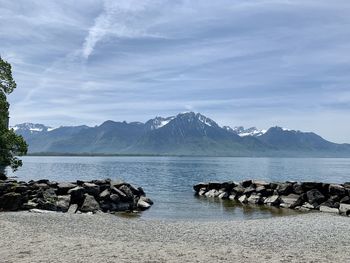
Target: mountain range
{"x": 184, "y": 134}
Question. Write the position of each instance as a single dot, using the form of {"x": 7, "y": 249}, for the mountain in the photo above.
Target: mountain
{"x": 184, "y": 134}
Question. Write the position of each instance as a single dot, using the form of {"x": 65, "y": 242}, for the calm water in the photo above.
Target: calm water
{"x": 169, "y": 180}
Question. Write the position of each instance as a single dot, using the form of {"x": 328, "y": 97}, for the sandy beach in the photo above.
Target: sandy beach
{"x": 58, "y": 237}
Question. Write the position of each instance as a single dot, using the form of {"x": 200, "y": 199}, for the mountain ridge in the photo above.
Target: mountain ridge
{"x": 184, "y": 134}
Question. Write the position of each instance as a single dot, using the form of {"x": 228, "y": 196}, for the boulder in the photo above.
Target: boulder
{"x": 298, "y": 189}
{"x": 327, "y": 209}
{"x": 330, "y": 203}
{"x": 77, "y": 195}
{"x": 29, "y": 205}
{"x": 105, "y": 194}
{"x": 72, "y": 209}
{"x": 255, "y": 199}
{"x": 90, "y": 204}
{"x": 258, "y": 183}
{"x": 249, "y": 190}
{"x": 117, "y": 183}
{"x": 315, "y": 197}
{"x": 146, "y": 199}
{"x": 114, "y": 198}
{"x": 62, "y": 188}
{"x": 243, "y": 199}
{"x": 344, "y": 209}
{"x": 92, "y": 189}
{"x": 126, "y": 190}
{"x": 273, "y": 200}
{"x": 63, "y": 202}
{"x": 261, "y": 190}
{"x": 345, "y": 200}
{"x": 212, "y": 193}
{"x": 118, "y": 192}
{"x": 10, "y": 201}
{"x": 232, "y": 196}
{"x": 307, "y": 205}
{"x": 291, "y": 200}
{"x": 284, "y": 188}
{"x": 336, "y": 189}
{"x": 142, "y": 205}
{"x": 238, "y": 189}
{"x": 307, "y": 186}
{"x": 246, "y": 183}
{"x": 202, "y": 191}
{"x": 200, "y": 186}
{"x": 223, "y": 195}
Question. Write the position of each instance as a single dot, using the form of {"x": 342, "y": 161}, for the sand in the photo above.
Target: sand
{"x": 58, "y": 237}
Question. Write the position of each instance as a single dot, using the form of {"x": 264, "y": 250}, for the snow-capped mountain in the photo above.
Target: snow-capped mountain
{"x": 187, "y": 133}
{"x": 31, "y": 128}
{"x": 241, "y": 131}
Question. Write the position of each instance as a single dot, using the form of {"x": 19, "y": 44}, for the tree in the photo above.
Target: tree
{"x": 11, "y": 144}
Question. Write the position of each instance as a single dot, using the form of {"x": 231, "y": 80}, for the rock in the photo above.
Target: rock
{"x": 62, "y": 188}
{"x": 63, "y": 202}
{"x": 307, "y": 205}
{"x": 146, "y": 199}
{"x": 246, "y": 183}
{"x": 114, "y": 198}
{"x": 212, "y": 193}
{"x": 20, "y": 188}
{"x": 238, "y": 189}
{"x": 10, "y": 201}
{"x": 72, "y": 209}
{"x": 330, "y": 203}
{"x": 290, "y": 201}
{"x": 336, "y": 189}
{"x": 118, "y": 192}
{"x": 327, "y": 209}
{"x": 223, "y": 195}
{"x": 214, "y": 185}
{"x": 315, "y": 197}
{"x": 258, "y": 183}
{"x": 284, "y": 188}
{"x": 41, "y": 186}
{"x": 200, "y": 186}
{"x": 273, "y": 200}
{"x": 262, "y": 190}
{"x": 243, "y": 199}
{"x": 29, "y": 205}
{"x": 3, "y": 176}
{"x": 92, "y": 189}
{"x": 344, "y": 209}
{"x": 126, "y": 190}
{"x": 141, "y": 204}
{"x": 255, "y": 199}
{"x": 49, "y": 195}
{"x": 307, "y": 186}
{"x": 232, "y": 197}
{"x": 90, "y": 204}
{"x": 345, "y": 200}
{"x": 248, "y": 191}
{"x": 105, "y": 194}
{"x": 202, "y": 191}
{"x": 298, "y": 189}
{"x": 77, "y": 195}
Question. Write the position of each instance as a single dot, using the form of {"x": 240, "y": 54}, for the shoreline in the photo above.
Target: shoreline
{"x": 62, "y": 237}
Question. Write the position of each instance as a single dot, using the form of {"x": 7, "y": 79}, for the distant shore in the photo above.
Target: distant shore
{"x": 61, "y": 237}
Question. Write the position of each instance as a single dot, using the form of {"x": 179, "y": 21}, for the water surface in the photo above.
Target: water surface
{"x": 169, "y": 180}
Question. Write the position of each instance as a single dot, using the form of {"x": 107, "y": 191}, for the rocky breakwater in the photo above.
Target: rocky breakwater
{"x": 92, "y": 196}
{"x": 325, "y": 197}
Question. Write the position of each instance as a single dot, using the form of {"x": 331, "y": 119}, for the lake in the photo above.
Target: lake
{"x": 168, "y": 181}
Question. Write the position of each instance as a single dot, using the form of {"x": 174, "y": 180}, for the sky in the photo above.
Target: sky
{"x": 240, "y": 62}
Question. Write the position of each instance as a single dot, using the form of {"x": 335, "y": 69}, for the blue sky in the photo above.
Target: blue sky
{"x": 249, "y": 62}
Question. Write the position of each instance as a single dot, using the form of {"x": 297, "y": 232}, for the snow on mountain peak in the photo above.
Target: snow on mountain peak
{"x": 241, "y": 131}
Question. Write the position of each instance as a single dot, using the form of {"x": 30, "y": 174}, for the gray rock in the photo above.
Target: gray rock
{"x": 307, "y": 205}
{"x": 127, "y": 191}
{"x": 105, "y": 194}
{"x": 90, "y": 204}
{"x": 117, "y": 183}
{"x": 327, "y": 209}
{"x": 92, "y": 189}
{"x": 249, "y": 190}
{"x": 255, "y": 199}
{"x": 232, "y": 197}
{"x": 315, "y": 197}
{"x": 258, "y": 183}
{"x": 284, "y": 188}
{"x": 77, "y": 195}
{"x": 118, "y": 192}
{"x": 290, "y": 201}
{"x": 238, "y": 189}
{"x": 212, "y": 193}
{"x": 10, "y": 201}
{"x": 202, "y": 191}
{"x": 29, "y": 205}
{"x": 223, "y": 195}
{"x": 72, "y": 209}
{"x": 146, "y": 199}
{"x": 344, "y": 209}
{"x": 63, "y": 202}
{"x": 200, "y": 186}
{"x": 345, "y": 200}
{"x": 62, "y": 188}
{"x": 142, "y": 205}
{"x": 273, "y": 200}
{"x": 114, "y": 198}
{"x": 243, "y": 199}
{"x": 336, "y": 189}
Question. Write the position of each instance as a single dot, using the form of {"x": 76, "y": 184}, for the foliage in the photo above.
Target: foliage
{"x": 11, "y": 144}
